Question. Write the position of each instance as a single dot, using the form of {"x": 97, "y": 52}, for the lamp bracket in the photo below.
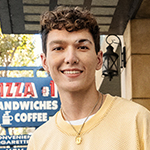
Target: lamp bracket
{"x": 123, "y": 57}
{"x": 113, "y": 40}
{"x": 123, "y": 50}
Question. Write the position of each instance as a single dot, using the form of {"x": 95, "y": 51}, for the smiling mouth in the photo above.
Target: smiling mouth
{"x": 71, "y": 71}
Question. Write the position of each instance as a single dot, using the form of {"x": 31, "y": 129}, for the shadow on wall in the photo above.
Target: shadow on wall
{"x": 112, "y": 87}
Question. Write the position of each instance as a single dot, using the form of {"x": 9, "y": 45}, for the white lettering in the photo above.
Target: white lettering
{"x": 7, "y": 105}
{"x": 42, "y": 105}
{"x": 16, "y": 117}
{"x": 14, "y": 142}
{"x": 39, "y": 117}
{"x": 28, "y": 105}
{"x": 15, "y": 105}
{"x": 24, "y": 105}
{"x": 55, "y": 105}
{"x": 23, "y": 117}
{"x": 35, "y": 117}
{"x": 14, "y": 137}
{"x": 1, "y": 106}
{"x": 31, "y": 105}
{"x": 29, "y": 117}
{"x": 44, "y": 115}
{"x": 49, "y": 105}
{"x": 36, "y": 105}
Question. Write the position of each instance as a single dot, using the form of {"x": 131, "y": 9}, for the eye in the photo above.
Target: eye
{"x": 83, "y": 47}
{"x": 57, "y": 48}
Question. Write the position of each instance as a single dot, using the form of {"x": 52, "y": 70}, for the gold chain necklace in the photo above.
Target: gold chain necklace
{"x": 78, "y": 138}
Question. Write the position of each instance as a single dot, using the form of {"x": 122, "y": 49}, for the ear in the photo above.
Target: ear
{"x": 99, "y": 60}
{"x": 44, "y": 62}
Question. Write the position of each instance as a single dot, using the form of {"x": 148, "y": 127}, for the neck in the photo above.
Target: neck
{"x": 77, "y": 105}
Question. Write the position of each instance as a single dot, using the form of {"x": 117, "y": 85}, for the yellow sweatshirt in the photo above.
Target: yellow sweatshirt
{"x": 119, "y": 125}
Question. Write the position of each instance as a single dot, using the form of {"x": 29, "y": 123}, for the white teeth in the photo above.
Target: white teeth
{"x": 71, "y": 72}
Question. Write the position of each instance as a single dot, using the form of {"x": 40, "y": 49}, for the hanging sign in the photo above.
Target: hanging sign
{"x": 27, "y": 102}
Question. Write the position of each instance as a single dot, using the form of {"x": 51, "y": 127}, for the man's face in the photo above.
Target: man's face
{"x": 71, "y": 59}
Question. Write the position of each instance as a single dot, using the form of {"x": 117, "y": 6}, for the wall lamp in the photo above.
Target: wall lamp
{"x": 110, "y": 58}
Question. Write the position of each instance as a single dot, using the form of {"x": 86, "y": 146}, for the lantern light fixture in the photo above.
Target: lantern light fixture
{"x": 110, "y": 58}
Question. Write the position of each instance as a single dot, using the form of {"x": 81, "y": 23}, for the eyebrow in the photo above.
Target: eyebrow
{"x": 56, "y": 42}
{"x": 83, "y": 40}
{"x": 77, "y": 41}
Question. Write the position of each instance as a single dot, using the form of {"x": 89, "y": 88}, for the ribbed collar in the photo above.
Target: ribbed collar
{"x": 90, "y": 124}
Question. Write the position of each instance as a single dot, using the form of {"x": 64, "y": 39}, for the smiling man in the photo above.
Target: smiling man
{"x": 87, "y": 119}
{"x": 72, "y": 60}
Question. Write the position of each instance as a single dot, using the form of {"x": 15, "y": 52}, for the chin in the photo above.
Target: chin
{"x": 71, "y": 88}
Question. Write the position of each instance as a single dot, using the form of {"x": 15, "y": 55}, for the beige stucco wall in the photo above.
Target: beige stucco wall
{"x": 135, "y": 78}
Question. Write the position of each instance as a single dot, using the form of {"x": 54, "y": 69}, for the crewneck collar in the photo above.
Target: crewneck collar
{"x": 90, "y": 124}
{"x": 80, "y": 121}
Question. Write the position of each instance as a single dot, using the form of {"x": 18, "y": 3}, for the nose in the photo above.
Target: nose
{"x": 71, "y": 56}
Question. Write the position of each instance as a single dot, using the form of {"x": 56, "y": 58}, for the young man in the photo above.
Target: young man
{"x": 87, "y": 119}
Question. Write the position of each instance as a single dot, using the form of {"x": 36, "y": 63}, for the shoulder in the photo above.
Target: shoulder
{"x": 128, "y": 107}
{"x": 45, "y": 129}
{"x": 127, "y": 103}
{"x": 42, "y": 134}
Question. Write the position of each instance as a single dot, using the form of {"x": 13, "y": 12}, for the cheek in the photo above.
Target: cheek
{"x": 92, "y": 63}
{"x": 53, "y": 64}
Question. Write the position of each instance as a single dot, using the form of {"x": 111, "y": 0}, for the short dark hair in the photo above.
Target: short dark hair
{"x": 71, "y": 19}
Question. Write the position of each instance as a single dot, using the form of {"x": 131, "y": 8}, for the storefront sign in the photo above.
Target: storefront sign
{"x": 24, "y": 148}
{"x": 27, "y": 102}
{"x": 6, "y": 140}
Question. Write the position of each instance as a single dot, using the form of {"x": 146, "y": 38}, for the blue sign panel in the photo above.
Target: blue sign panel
{"x": 6, "y": 140}
{"x": 24, "y": 148}
{"x": 27, "y": 102}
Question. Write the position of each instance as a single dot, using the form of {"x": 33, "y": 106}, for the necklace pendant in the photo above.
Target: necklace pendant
{"x": 78, "y": 139}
